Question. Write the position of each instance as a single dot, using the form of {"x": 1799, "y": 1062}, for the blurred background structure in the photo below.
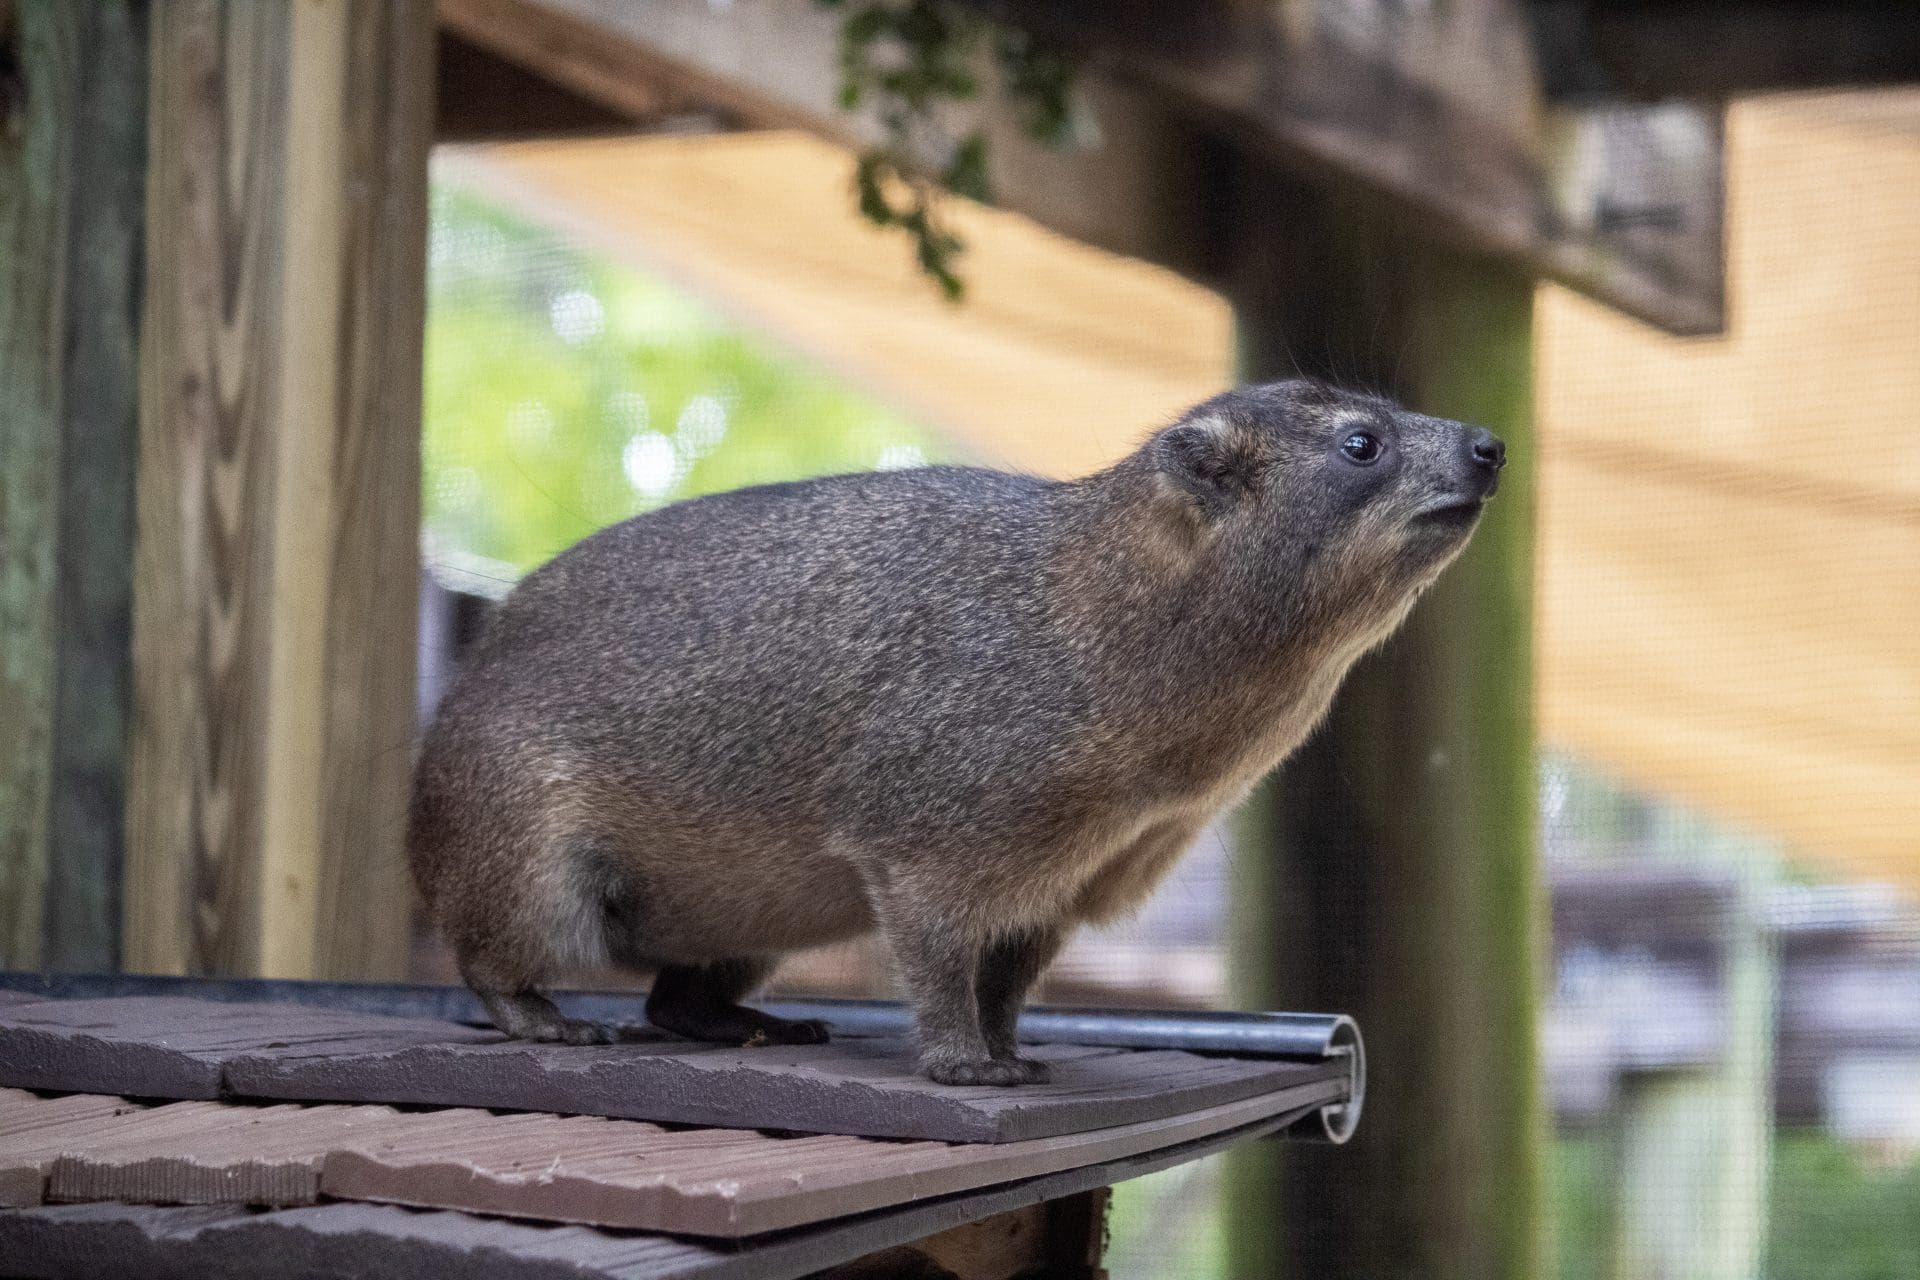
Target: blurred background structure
{"x": 1615, "y": 852}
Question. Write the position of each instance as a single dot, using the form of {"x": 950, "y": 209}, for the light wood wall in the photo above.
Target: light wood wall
{"x": 211, "y": 311}
{"x": 277, "y": 556}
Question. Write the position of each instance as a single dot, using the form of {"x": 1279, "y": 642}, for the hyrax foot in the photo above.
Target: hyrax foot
{"x": 733, "y": 1024}
{"x": 774, "y": 1030}
{"x": 997, "y": 1071}
{"x": 576, "y": 1031}
{"x": 529, "y": 1016}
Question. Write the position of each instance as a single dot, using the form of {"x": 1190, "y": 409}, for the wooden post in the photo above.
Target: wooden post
{"x": 1695, "y": 1142}
{"x": 72, "y": 168}
{"x": 278, "y": 490}
{"x": 211, "y": 304}
{"x": 1391, "y": 869}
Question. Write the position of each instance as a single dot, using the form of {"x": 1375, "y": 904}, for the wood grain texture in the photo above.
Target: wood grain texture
{"x": 169, "y": 1047}
{"x": 32, "y": 163}
{"x": 612, "y": 1173}
{"x": 725, "y": 1182}
{"x": 25, "y": 1119}
{"x": 278, "y": 489}
{"x": 382, "y": 1240}
{"x": 1439, "y": 115}
{"x": 205, "y": 487}
{"x": 72, "y": 161}
{"x": 209, "y": 1153}
{"x": 766, "y": 64}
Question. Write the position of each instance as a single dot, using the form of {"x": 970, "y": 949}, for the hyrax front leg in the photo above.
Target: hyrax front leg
{"x": 940, "y": 960}
{"x": 1007, "y": 970}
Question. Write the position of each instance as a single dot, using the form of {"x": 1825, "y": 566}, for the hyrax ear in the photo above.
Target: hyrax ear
{"x": 1208, "y": 462}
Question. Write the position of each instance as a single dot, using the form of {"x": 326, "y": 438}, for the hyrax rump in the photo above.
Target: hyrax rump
{"x": 969, "y": 709}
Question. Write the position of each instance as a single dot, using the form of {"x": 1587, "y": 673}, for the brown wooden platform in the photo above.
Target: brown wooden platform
{"x": 192, "y": 1049}
{"x": 211, "y": 1242}
{"x": 613, "y": 1173}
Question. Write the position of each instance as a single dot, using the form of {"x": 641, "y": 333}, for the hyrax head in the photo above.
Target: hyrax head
{"x": 1326, "y": 496}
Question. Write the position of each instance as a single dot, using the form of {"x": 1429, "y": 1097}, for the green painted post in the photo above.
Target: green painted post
{"x": 72, "y": 188}
{"x": 1390, "y": 869}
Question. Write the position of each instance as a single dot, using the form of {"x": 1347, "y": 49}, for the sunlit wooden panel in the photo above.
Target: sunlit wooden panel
{"x": 1730, "y": 527}
{"x": 1061, "y": 358}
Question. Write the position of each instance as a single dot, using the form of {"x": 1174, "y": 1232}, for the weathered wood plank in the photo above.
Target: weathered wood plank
{"x": 724, "y": 1182}
{"x": 360, "y": 907}
{"x": 769, "y": 64}
{"x": 205, "y": 485}
{"x": 210, "y": 1153}
{"x": 278, "y": 487}
{"x": 1439, "y": 113}
{"x": 862, "y": 1087}
{"x": 482, "y": 97}
{"x": 71, "y": 172}
{"x": 196, "y": 1049}
{"x": 164, "y": 1048}
{"x": 24, "y": 1119}
{"x": 586, "y": 1170}
{"x": 383, "y": 1240}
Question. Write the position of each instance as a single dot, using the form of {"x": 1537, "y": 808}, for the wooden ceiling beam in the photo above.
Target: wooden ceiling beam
{"x": 1657, "y": 50}
{"x": 1437, "y": 113}
{"x": 1442, "y": 113}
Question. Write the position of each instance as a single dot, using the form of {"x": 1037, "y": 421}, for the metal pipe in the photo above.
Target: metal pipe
{"x": 1310, "y": 1037}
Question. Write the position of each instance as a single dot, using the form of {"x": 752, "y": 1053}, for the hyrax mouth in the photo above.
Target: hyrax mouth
{"x": 1456, "y": 513}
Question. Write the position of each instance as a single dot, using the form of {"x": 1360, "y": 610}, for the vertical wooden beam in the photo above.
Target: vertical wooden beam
{"x": 1694, "y": 1143}
{"x": 278, "y": 487}
{"x": 72, "y": 163}
{"x": 1393, "y": 875}
{"x": 372, "y": 606}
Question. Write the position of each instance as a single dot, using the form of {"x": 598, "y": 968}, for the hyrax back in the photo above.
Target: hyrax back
{"x": 967, "y": 708}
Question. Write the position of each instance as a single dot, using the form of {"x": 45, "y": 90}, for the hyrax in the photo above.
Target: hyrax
{"x": 968, "y": 709}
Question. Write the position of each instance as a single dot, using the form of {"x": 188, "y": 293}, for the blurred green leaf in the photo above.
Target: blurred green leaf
{"x": 564, "y": 393}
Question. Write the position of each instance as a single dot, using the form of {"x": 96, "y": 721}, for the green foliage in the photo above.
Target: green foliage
{"x": 1583, "y": 1221}
{"x": 564, "y": 393}
{"x": 1834, "y": 1215}
{"x": 906, "y": 60}
{"x": 1839, "y": 1216}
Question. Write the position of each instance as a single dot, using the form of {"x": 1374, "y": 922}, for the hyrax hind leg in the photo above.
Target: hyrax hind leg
{"x": 523, "y": 1013}
{"x": 702, "y": 1002}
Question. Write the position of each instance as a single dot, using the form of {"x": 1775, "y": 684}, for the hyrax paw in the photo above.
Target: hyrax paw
{"x": 994, "y": 1071}
{"x": 802, "y": 1031}
{"x": 576, "y": 1031}
{"x": 786, "y": 1031}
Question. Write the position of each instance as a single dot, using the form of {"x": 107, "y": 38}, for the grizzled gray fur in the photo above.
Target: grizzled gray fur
{"x": 968, "y": 709}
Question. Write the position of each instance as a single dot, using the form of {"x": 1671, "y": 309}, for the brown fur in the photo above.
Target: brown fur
{"x": 969, "y": 709}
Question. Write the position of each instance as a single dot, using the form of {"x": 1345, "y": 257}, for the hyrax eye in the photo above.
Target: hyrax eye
{"x": 1362, "y": 447}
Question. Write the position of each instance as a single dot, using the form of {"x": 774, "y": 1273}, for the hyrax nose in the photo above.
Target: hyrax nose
{"x": 1489, "y": 450}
